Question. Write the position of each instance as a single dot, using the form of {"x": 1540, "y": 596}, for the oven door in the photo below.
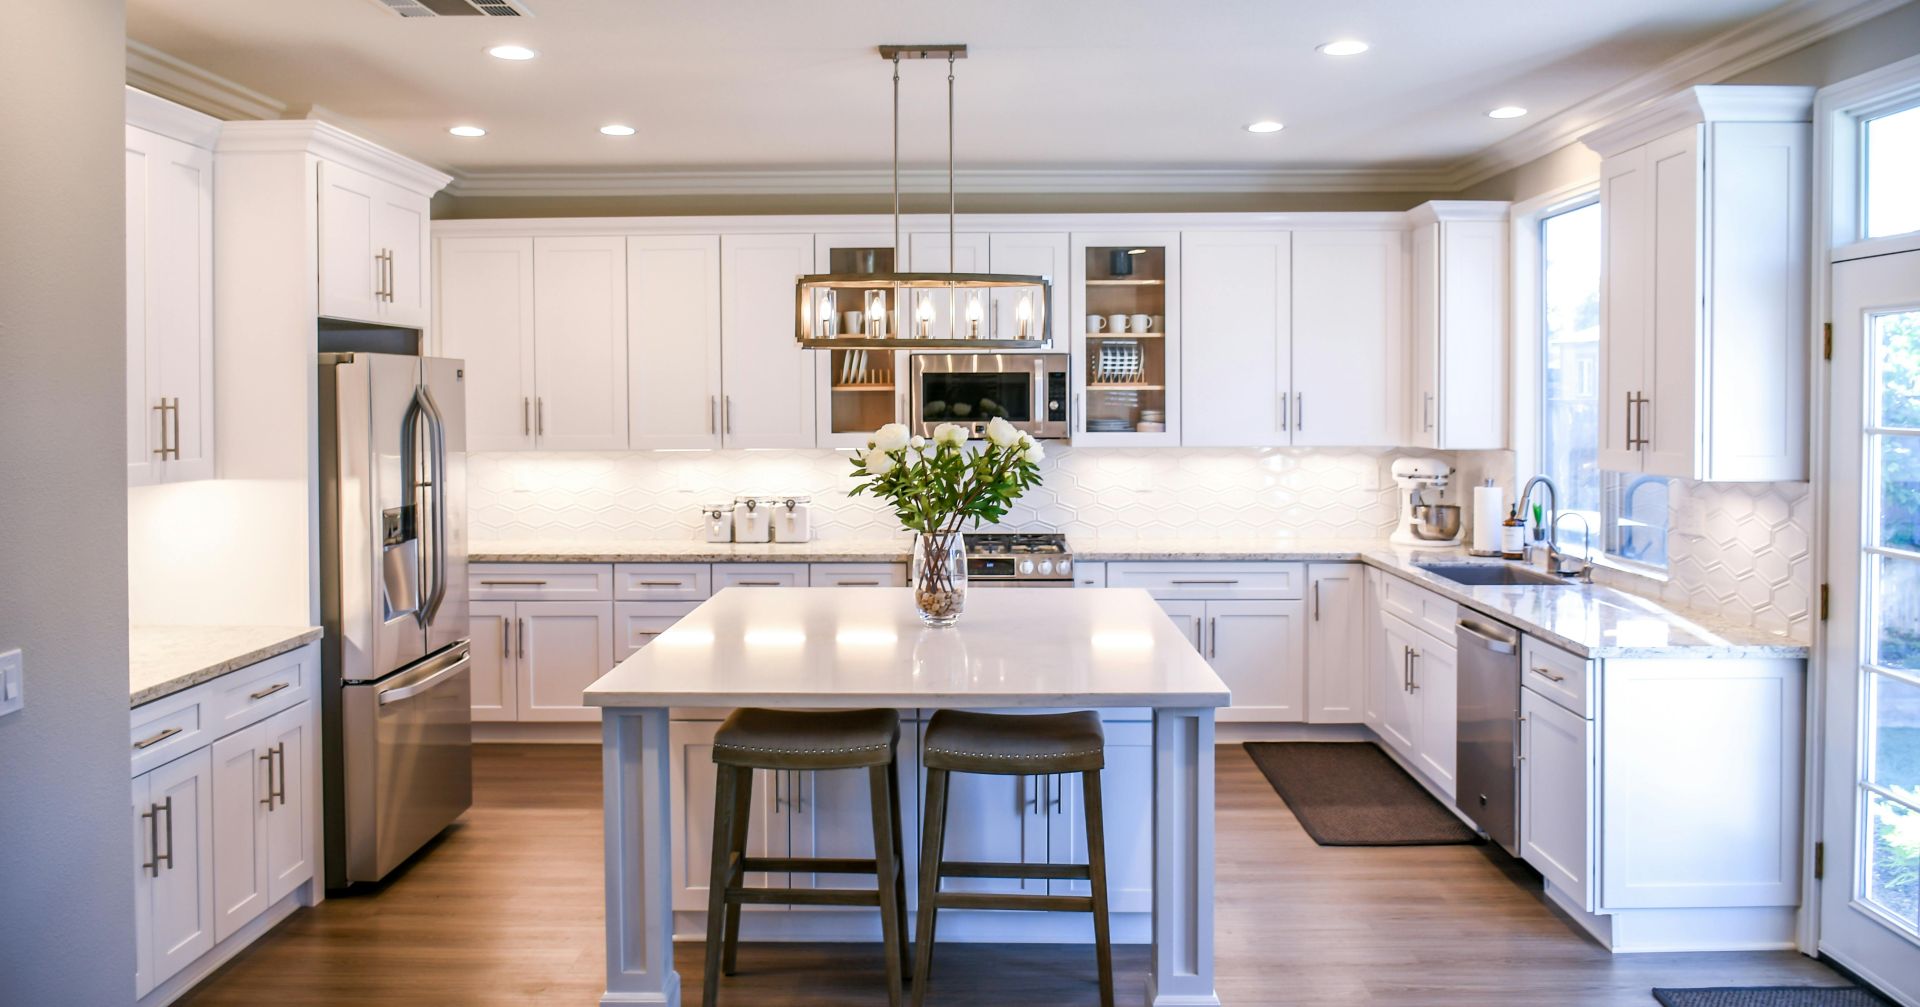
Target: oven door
{"x": 1025, "y": 389}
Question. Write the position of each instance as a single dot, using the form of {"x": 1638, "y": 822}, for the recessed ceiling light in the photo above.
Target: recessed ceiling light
{"x": 1342, "y": 47}
{"x": 1507, "y": 112}
{"x": 1265, "y": 126}
{"x": 467, "y": 131}
{"x": 617, "y": 130}
{"x": 513, "y": 52}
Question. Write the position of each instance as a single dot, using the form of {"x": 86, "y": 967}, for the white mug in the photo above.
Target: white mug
{"x": 1117, "y": 323}
{"x": 1141, "y": 323}
{"x": 1095, "y": 323}
{"x": 855, "y": 323}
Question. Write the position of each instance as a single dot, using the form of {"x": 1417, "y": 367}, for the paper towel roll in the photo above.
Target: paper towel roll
{"x": 1489, "y": 512}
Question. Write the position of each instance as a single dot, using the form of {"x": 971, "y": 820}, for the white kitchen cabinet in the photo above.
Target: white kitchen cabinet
{"x": 373, "y": 248}
{"x": 1089, "y": 574}
{"x": 1259, "y": 649}
{"x": 1041, "y": 253}
{"x": 173, "y": 809}
{"x": 673, "y": 341}
{"x": 1336, "y": 643}
{"x": 829, "y": 814}
{"x": 562, "y": 647}
{"x": 1435, "y": 682}
{"x": 857, "y": 575}
{"x": 1147, "y": 283}
{"x": 1349, "y": 329}
{"x": 997, "y": 819}
{"x": 1190, "y": 617}
{"x": 580, "y": 343}
{"x": 1704, "y": 206}
{"x": 169, "y": 214}
{"x": 1400, "y": 712}
{"x": 483, "y": 315}
{"x": 1556, "y": 793}
{"x": 1237, "y": 353}
{"x": 1458, "y": 399}
{"x": 726, "y": 575}
{"x": 243, "y": 777}
{"x": 290, "y": 822}
{"x": 1126, "y": 793}
{"x": 637, "y": 623}
{"x": 694, "y": 781}
{"x": 768, "y": 380}
{"x": 494, "y": 669}
{"x": 860, "y": 391}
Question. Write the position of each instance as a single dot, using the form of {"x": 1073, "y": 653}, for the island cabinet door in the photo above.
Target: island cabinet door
{"x": 1191, "y": 619}
{"x": 998, "y": 819}
{"x": 1259, "y": 648}
{"x": 694, "y": 781}
{"x": 1126, "y": 796}
{"x": 828, "y": 814}
{"x": 562, "y": 647}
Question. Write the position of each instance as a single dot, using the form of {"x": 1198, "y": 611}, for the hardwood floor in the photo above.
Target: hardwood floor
{"x": 506, "y": 909}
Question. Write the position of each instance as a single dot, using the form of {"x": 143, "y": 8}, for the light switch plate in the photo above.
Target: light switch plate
{"x": 13, "y": 689}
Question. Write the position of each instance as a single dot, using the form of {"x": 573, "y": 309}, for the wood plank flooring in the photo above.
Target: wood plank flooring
{"x": 506, "y": 910}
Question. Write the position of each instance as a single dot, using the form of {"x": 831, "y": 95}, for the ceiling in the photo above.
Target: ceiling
{"x": 1066, "y": 84}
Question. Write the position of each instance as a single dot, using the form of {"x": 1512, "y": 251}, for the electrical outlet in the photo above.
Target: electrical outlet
{"x": 13, "y": 695}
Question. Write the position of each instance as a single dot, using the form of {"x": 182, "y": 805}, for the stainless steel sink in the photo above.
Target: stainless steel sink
{"x": 1495, "y": 575}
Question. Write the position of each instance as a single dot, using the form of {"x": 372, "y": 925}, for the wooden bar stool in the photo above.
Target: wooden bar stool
{"x": 960, "y": 741}
{"x": 753, "y": 739}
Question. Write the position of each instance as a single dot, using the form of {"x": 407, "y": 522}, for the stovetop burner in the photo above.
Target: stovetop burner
{"x": 1003, "y": 543}
{"x": 1039, "y": 558}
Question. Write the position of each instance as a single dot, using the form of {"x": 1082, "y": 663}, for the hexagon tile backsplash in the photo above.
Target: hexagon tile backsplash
{"x": 1737, "y": 550}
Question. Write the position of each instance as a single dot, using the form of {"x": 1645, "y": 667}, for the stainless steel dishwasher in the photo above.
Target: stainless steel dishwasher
{"x": 1487, "y": 745}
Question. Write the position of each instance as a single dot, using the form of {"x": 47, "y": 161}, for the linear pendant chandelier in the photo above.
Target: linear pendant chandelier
{"x": 923, "y": 310}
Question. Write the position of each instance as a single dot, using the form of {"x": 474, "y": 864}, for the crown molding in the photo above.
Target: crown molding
{"x": 171, "y": 119}
{"x": 323, "y": 139}
{"x": 177, "y": 80}
{"x": 1436, "y": 211}
{"x": 923, "y": 223}
{"x": 1695, "y": 105}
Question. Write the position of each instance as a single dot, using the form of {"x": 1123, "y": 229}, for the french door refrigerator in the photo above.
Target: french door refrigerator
{"x": 393, "y": 556}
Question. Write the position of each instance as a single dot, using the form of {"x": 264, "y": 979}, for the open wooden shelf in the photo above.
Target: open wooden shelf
{"x": 1129, "y": 282}
{"x": 1101, "y": 386}
{"x": 1126, "y": 335}
{"x": 863, "y": 388}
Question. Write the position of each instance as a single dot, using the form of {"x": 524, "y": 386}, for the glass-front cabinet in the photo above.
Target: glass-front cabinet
{"x": 861, "y": 390}
{"x": 1125, "y": 328}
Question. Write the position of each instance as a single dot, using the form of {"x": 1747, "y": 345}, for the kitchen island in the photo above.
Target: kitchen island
{"x": 865, "y": 647}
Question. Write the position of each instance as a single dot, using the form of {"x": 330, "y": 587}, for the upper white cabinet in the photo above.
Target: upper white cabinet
{"x": 1704, "y": 203}
{"x": 1237, "y": 354}
{"x": 1039, "y": 253}
{"x": 373, "y": 247}
{"x": 768, "y": 395}
{"x": 860, "y": 391}
{"x": 673, "y": 341}
{"x": 169, "y": 201}
{"x": 484, "y": 316}
{"x": 1349, "y": 328}
{"x": 1126, "y": 381}
{"x": 1458, "y": 385}
{"x": 580, "y": 343}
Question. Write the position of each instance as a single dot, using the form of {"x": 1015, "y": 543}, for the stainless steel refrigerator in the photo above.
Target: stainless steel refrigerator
{"x": 393, "y": 555}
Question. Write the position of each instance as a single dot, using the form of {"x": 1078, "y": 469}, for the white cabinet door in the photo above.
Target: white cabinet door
{"x": 1458, "y": 383}
{"x": 1336, "y": 642}
{"x": 673, "y": 341}
{"x": 484, "y": 316}
{"x": 1236, "y": 354}
{"x": 169, "y": 309}
{"x": 181, "y": 800}
{"x": 142, "y": 888}
{"x": 349, "y": 271}
{"x": 830, "y": 815}
{"x": 1436, "y": 691}
{"x": 1625, "y": 307}
{"x": 564, "y": 647}
{"x": 580, "y": 343}
{"x": 1423, "y": 312}
{"x": 495, "y": 670}
{"x": 1399, "y": 712}
{"x": 1039, "y": 254}
{"x": 242, "y": 781}
{"x": 1556, "y": 794}
{"x": 289, "y": 824}
{"x": 694, "y": 776}
{"x": 997, "y": 819}
{"x": 726, "y": 575}
{"x": 1676, "y": 174}
{"x": 768, "y": 380}
{"x": 1190, "y": 617}
{"x": 857, "y": 575}
{"x": 400, "y": 235}
{"x": 1349, "y": 329}
{"x": 1126, "y": 791}
{"x": 1259, "y": 648}
{"x": 1377, "y": 673}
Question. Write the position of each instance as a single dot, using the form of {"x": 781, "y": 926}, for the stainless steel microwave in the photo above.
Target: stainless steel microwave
{"x": 1028, "y": 390}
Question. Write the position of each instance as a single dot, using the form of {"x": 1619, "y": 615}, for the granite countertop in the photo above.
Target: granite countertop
{"x": 687, "y": 551}
{"x": 169, "y": 659}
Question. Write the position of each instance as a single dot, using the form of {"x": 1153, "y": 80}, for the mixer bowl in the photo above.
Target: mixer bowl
{"x": 1436, "y": 522}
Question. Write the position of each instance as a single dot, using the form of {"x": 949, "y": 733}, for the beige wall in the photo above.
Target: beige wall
{"x": 66, "y": 880}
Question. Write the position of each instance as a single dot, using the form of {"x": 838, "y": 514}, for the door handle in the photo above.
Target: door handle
{"x": 1079, "y": 410}
{"x": 162, "y": 410}
{"x": 1406, "y": 669}
{"x": 1299, "y": 411}
{"x": 713, "y": 412}
{"x": 1548, "y": 675}
{"x": 1521, "y": 740}
{"x": 167, "y": 807}
{"x": 726, "y": 415}
{"x": 1639, "y": 424}
{"x": 156, "y": 739}
{"x": 526, "y": 416}
{"x": 539, "y": 416}
{"x": 1413, "y": 665}
{"x": 513, "y": 583}
{"x": 506, "y": 639}
{"x": 409, "y": 691}
{"x": 1316, "y": 601}
{"x": 523, "y": 639}
{"x": 268, "y": 759}
{"x": 280, "y": 757}
{"x": 1426, "y": 413}
{"x": 1286, "y": 411}
{"x": 268, "y": 691}
{"x": 176, "y": 428}
{"x": 1203, "y": 583}
{"x": 1213, "y": 637}
{"x": 152, "y": 818}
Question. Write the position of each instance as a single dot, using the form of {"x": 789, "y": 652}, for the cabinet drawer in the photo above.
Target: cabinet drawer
{"x": 726, "y": 575}
{"x": 858, "y": 575}
{"x": 1089, "y": 575}
{"x": 259, "y": 691}
{"x": 1227, "y": 580}
{"x": 1419, "y": 606}
{"x": 636, "y": 623}
{"x": 662, "y": 582}
{"x": 169, "y": 727}
{"x": 540, "y": 581}
{"x": 1557, "y": 675}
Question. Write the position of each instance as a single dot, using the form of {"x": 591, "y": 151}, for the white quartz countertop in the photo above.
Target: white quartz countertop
{"x": 1013, "y": 647}
{"x": 164, "y": 660}
{"x": 687, "y": 551}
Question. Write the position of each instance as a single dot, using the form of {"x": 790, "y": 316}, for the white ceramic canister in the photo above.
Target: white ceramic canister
{"x": 792, "y": 519}
{"x": 718, "y": 519}
{"x": 752, "y": 520}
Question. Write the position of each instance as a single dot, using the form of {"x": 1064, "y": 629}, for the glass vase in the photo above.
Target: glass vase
{"x": 939, "y": 577}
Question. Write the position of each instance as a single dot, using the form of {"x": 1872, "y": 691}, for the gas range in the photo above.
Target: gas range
{"x": 1021, "y": 559}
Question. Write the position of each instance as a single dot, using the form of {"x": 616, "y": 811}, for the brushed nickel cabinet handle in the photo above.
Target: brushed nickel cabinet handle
{"x": 757, "y": 583}
{"x": 1204, "y": 583}
{"x": 526, "y": 416}
{"x": 176, "y": 428}
{"x": 167, "y": 807}
{"x": 726, "y": 414}
{"x": 512, "y": 583}
{"x": 158, "y": 738}
{"x": 268, "y": 691}
{"x": 540, "y": 416}
{"x": 1299, "y": 411}
{"x": 280, "y": 758}
{"x": 1213, "y": 637}
{"x": 1316, "y": 601}
{"x": 661, "y": 583}
{"x": 162, "y": 449}
{"x": 856, "y": 583}
{"x": 713, "y": 409}
{"x": 1521, "y": 740}
{"x": 506, "y": 639}
{"x": 1426, "y": 413}
{"x": 523, "y": 639}
{"x": 1548, "y": 675}
{"x": 152, "y": 817}
{"x": 268, "y": 759}
{"x": 1406, "y": 669}
{"x": 1285, "y": 412}
{"x": 1639, "y": 424}
{"x": 1413, "y": 665}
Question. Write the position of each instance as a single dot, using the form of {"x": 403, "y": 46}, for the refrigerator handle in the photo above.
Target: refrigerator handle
{"x": 436, "y": 491}
{"x": 411, "y": 488}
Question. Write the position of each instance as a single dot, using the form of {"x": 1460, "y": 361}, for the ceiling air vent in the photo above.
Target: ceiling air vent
{"x": 456, "y": 8}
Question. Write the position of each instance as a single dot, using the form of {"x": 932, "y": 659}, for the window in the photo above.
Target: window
{"x": 1626, "y": 512}
{"x": 1892, "y": 149}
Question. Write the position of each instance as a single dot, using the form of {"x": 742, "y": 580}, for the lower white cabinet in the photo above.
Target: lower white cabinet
{"x": 693, "y": 783}
{"x": 637, "y": 623}
{"x": 261, "y": 822}
{"x": 1416, "y": 685}
{"x": 561, "y": 647}
{"x": 1336, "y": 642}
{"x": 1258, "y": 648}
{"x": 494, "y": 671}
{"x": 857, "y": 575}
{"x": 727, "y": 575}
{"x": 176, "y": 916}
{"x": 1556, "y": 793}
{"x": 1126, "y": 794}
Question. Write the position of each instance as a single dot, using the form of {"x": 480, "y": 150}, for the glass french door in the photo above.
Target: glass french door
{"x": 1870, "y": 892}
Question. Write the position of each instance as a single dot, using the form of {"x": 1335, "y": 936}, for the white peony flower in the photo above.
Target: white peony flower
{"x": 950, "y": 434}
{"x": 1002, "y": 433}
{"x": 917, "y": 443}
{"x": 891, "y": 437}
{"x": 1034, "y": 452}
{"x": 879, "y": 463}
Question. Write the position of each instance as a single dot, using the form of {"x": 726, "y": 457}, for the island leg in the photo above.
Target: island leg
{"x": 1181, "y": 973}
{"x": 639, "y": 884}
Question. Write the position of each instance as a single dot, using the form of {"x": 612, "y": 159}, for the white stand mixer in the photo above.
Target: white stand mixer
{"x": 1424, "y": 523}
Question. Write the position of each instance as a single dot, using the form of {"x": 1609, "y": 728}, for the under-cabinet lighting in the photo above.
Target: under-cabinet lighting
{"x": 467, "y": 131}
{"x": 1342, "y": 47}
{"x": 1265, "y": 126}
{"x": 512, "y": 52}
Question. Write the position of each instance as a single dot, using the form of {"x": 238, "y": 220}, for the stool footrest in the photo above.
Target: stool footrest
{"x": 809, "y": 896}
{"x": 807, "y": 865}
{"x": 1034, "y": 872}
{"x": 985, "y": 900}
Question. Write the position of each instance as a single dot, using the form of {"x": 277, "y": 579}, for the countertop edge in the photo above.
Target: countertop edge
{"x": 224, "y": 666}
{"x": 896, "y": 701}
